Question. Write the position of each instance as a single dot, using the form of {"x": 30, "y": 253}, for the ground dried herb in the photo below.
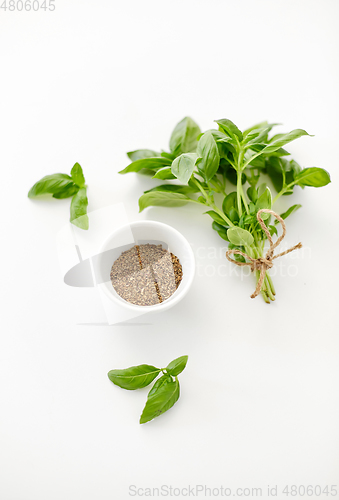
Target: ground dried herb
{"x": 146, "y": 274}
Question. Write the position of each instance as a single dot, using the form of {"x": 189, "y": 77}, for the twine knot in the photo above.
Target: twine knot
{"x": 262, "y": 264}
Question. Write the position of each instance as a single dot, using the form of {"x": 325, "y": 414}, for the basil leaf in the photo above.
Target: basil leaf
{"x": 161, "y": 401}
{"x": 140, "y": 154}
{"x": 264, "y": 200}
{"x": 170, "y": 156}
{"x": 50, "y": 184}
{"x": 254, "y": 128}
{"x": 146, "y": 171}
{"x": 239, "y": 236}
{"x": 313, "y": 176}
{"x": 174, "y": 188}
{"x": 221, "y": 230}
{"x": 281, "y": 139}
{"x": 177, "y": 366}
{"x": 252, "y": 193}
{"x": 207, "y": 150}
{"x": 272, "y": 229}
{"x": 229, "y": 128}
{"x": 78, "y": 175}
{"x": 149, "y": 163}
{"x": 79, "y": 204}
{"x": 158, "y": 384}
{"x": 164, "y": 174}
{"x": 183, "y": 166}
{"x": 69, "y": 190}
{"x": 230, "y": 201}
{"x": 288, "y": 212}
{"x": 161, "y": 199}
{"x": 259, "y": 135}
{"x": 184, "y": 136}
{"x": 216, "y": 217}
{"x": 134, "y": 377}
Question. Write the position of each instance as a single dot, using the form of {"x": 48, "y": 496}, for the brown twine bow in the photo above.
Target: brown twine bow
{"x": 263, "y": 263}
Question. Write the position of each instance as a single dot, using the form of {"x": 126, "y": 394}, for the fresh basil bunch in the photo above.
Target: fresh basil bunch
{"x": 206, "y": 163}
{"x": 65, "y": 186}
{"x": 164, "y": 393}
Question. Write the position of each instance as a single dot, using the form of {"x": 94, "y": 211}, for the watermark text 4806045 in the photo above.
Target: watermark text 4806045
{"x": 27, "y": 5}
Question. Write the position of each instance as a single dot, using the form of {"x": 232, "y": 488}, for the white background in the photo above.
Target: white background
{"x": 259, "y": 403}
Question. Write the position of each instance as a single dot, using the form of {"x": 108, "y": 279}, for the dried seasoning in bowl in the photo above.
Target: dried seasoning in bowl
{"x": 146, "y": 274}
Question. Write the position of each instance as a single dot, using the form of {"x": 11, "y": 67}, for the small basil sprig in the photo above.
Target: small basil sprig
{"x": 164, "y": 393}
{"x": 65, "y": 186}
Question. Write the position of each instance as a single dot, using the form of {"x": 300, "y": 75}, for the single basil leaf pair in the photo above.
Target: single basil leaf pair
{"x": 64, "y": 186}
{"x": 164, "y": 393}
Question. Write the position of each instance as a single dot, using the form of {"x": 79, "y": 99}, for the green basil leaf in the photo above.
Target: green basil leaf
{"x": 260, "y": 147}
{"x": 161, "y": 401}
{"x": 288, "y": 212}
{"x": 216, "y": 217}
{"x": 264, "y": 200}
{"x": 146, "y": 171}
{"x": 207, "y": 150}
{"x": 221, "y": 230}
{"x": 140, "y": 154}
{"x": 69, "y": 191}
{"x": 79, "y": 204}
{"x": 229, "y": 128}
{"x": 273, "y": 230}
{"x": 184, "y": 136}
{"x": 78, "y": 175}
{"x": 259, "y": 135}
{"x": 134, "y": 377}
{"x": 183, "y": 166}
{"x": 170, "y": 156}
{"x": 313, "y": 176}
{"x": 254, "y": 128}
{"x": 50, "y": 184}
{"x": 177, "y": 366}
{"x": 230, "y": 201}
{"x": 149, "y": 163}
{"x": 252, "y": 194}
{"x": 164, "y": 174}
{"x": 281, "y": 139}
{"x": 158, "y": 384}
{"x": 239, "y": 236}
{"x": 161, "y": 199}
{"x": 174, "y": 188}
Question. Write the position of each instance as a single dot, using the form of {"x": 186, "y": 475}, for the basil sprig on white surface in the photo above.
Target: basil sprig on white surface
{"x": 65, "y": 186}
{"x": 211, "y": 163}
{"x": 164, "y": 393}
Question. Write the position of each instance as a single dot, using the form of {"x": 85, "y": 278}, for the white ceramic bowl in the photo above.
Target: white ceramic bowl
{"x": 142, "y": 232}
